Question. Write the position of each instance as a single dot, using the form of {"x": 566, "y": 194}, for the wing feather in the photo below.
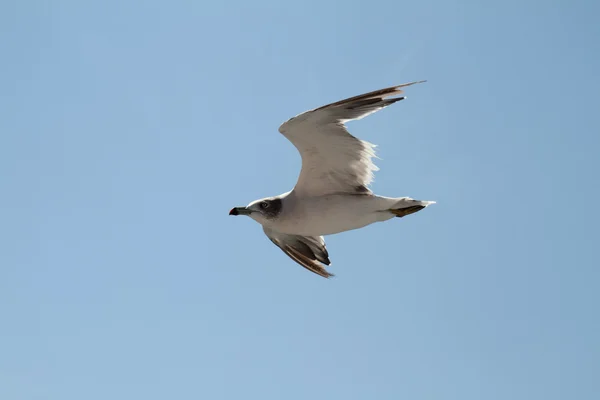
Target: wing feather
{"x": 308, "y": 251}
{"x": 333, "y": 160}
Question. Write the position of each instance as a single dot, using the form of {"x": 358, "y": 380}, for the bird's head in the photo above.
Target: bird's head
{"x": 262, "y": 211}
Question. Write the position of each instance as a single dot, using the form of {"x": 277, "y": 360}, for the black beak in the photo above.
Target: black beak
{"x": 239, "y": 211}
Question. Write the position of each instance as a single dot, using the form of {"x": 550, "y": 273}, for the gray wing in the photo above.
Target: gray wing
{"x": 308, "y": 251}
{"x": 333, "y": 160}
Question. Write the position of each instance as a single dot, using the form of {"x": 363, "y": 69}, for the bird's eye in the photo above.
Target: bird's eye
{"x": 264, "y": 205}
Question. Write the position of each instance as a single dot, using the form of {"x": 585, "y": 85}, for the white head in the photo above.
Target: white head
{"x": 262, "y": 211}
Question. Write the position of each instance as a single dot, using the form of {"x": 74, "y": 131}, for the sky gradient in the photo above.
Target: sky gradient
{"x": 130, "y": 128}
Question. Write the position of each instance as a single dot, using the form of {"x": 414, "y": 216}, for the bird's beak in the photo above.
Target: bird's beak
{"x": 240, "y": 211}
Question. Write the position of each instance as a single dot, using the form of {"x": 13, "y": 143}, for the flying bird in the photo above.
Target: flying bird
{"x": 332, "y": 193}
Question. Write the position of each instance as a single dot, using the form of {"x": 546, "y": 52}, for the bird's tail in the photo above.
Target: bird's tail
{"x": 406, "y": 206}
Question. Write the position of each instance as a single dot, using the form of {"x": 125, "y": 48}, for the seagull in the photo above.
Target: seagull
{"x": 332, "y": 193}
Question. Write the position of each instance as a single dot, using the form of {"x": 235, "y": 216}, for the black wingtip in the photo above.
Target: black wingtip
{"x": 392, "y": 101}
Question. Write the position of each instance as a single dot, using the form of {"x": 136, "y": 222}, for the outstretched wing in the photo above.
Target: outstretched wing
{"x": 334, "y": 161}
{"x": 308, "y": 251}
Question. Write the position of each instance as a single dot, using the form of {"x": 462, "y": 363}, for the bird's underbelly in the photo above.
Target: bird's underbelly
{"x": 331, "y": 214}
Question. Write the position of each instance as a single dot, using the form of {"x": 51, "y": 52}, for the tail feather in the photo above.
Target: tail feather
{"x": 407, "y": 206}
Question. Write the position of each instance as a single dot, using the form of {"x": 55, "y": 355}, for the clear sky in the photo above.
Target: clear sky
{"x": 130, "y": 128}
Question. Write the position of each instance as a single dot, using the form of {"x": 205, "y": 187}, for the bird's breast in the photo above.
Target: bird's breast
{"x": 327, "y": 215}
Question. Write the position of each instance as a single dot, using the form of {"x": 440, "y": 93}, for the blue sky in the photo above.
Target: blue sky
{"x": 129, "y": 129}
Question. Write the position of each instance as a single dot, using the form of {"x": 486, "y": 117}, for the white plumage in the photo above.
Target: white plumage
{"x": 332, "y": 192}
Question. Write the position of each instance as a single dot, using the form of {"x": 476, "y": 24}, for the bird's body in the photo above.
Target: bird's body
{"x": 333, "y": 213}
{"x": 332, "y": 194}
